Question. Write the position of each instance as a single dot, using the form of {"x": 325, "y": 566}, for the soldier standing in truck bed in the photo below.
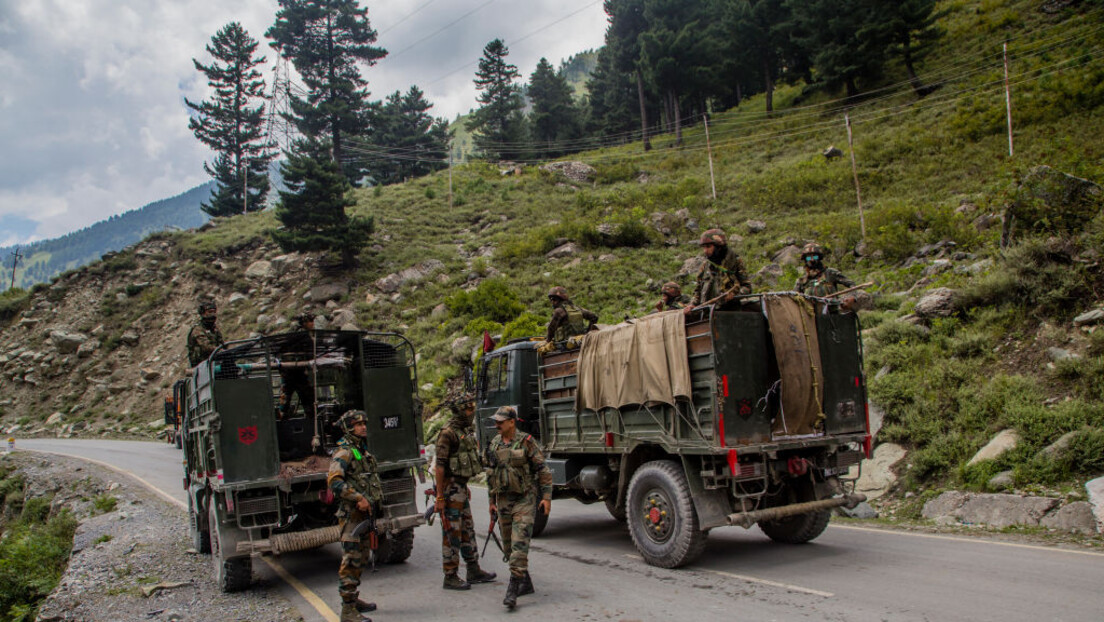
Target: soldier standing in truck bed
{"x": 722, "y": 273}
{"x": 458, "y": 461}
{"x": 204, "y": 336}
{"x": 819, "y": 280}
{"x": 671, "y": 297}
{"x": 568, "y": 319}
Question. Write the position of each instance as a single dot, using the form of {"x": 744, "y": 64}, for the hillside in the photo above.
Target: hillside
{"x": 936, "y": 179}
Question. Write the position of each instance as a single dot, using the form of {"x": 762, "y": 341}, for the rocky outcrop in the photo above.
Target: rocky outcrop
{"x": 1005, "y": 441}
{"x": 877, "y": 472}
{"x": 324, "y": 292}
{"x": 788, "y": 256}
{"x": 940, "y": 302}
{"x": 578, "y": 172}
{"x": 1095, "y": 488}
{"x": 1006, "y": 510}
{"x": 67, "y": 342}
{"x": 564, "y": 250}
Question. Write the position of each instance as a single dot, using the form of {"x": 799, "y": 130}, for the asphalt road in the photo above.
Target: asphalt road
{"x": 586, "y": 568}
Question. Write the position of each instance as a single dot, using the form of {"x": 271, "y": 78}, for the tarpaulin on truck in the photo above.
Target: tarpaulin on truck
{"x": 796, "y": 347}
{"x": 636, "y": 362}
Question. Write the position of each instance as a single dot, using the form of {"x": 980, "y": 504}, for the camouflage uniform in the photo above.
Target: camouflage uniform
{"x": 202, "y": 341}
{"x": 823, "y": 283}
{"x": 353, "y": 476}
{"x": 673, "y": 304}
{"x": 514, "y": 467}
{"x": 715, "y": 279}
{"x": 458, "y": 452}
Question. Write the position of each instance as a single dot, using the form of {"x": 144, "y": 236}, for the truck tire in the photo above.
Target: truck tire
{"x": 611, "y": 506}
{"x": 231, "y": 575}
{"x": 662, "y": 520}
{"x": 396, "y": 548}
{"x": 801, "y": 528}
{"x": 201, "y": 538}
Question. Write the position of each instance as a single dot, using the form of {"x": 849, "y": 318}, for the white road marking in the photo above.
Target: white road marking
{"x": 743, "y": 577}
{"x": 936, "y": 536}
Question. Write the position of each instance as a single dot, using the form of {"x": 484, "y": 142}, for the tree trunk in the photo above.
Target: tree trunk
{"x": 678, "y": 119}
{"x": 643, "y": 111}
{"x": 768, "y": 83}
{"x": 852, "y": 90}
{"x": 666, "y": 112}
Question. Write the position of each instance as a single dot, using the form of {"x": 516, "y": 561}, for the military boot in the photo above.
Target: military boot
{"x": 512, "y": 592}
{"x": 365, "y": 607}
{"x": 526, "y": 585}
{"x": 478, "y": 575}
{"x": 454, "y": 582}
{"x": 349, "y": 613}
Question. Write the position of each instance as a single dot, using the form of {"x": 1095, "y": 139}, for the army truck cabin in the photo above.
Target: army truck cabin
{"x": 751, "y": 413}
{"x": 256, "y": 461}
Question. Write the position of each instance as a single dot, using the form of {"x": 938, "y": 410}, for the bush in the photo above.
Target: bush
{"x": 492, "y": 299}
{"x": 13, "y": 302}
{"x": 33, "y": 555}
{"x": 104, "y": 503}
{"x": 615, "y": 172}
{"x": 525, "y": 325}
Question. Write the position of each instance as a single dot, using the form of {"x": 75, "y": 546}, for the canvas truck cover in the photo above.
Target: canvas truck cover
{"x": 797, "y": 350}
{"x": 635, "y": 362}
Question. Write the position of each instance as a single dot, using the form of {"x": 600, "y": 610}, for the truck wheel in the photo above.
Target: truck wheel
{"x": 201, "y": 538}
{"x": 662, "y": 519}
{"x": 396, "y": 548}
{"x": 231, "y": 575}
{"x": 611, "y": 506}
{"x": 540, "y": 520}
{"x": 801, "y": 528}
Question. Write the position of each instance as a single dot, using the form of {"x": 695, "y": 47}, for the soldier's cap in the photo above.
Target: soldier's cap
{"x": 505, "y": 413}
{"x": 713, "y": 236}
{"x": 671, "y": 287}
{"x": 207, "y": 305}
{"x": 460, "y": 401}
{"x": 354, "y": 416}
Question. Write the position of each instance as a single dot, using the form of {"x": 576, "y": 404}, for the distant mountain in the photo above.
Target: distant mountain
{"x": 48, "y": 258}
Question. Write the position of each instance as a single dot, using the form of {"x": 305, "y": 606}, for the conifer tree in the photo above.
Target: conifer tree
{"x": 626, "y": 23}
{"x": 325, "y": 40}
{"x": 498, "y": 125}
{"x": 845, "y": 40}
{"x": 910, "y": 27}
{"x": 612, "y": 98}
{"x": 231, "y": 123}
{"x": 554, "y": 118}
{"x": 312, "y": 209}
{"x": 411, "y": 143}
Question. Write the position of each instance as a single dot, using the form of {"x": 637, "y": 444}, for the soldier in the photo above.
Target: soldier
{"x": 671, "y": 297}
{"x": 568, "y": 320}
{"x": 204, "y": 337}
{"x": 516, "y": 470}
{"x": 457, "y": 461}
{"x": 354, "y": 479}
{"x": 818, "y": 280}
{"x": 296, "y": 381}
{"x": 722, "y": 271}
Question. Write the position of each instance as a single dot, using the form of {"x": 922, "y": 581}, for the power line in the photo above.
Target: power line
{"x": 406, "y": 17}
{"x": 442, "y": 29}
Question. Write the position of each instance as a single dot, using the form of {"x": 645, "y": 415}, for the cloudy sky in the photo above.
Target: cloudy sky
{"x": 92, "y": 115}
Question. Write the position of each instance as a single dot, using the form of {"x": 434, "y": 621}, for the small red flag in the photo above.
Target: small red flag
{"x": 488, "y": 343}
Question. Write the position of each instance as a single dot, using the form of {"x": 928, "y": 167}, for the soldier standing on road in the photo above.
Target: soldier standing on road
{"x": 671, "y": 297}
{"x": 204, "y": 337}
{"x": 723, "y": 271}
{"x": 458, "y": 461}
{"x": 818, "y": 280}
{"x": 354, "y": 479}
{"x": 517, "y": 469}
{"x": 568, "y": 320}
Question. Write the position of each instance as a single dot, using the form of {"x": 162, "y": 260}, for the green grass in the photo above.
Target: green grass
{"x": 34, "y": 550}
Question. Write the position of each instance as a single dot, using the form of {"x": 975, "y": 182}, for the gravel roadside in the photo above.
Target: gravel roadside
{"x": 134, "y": 562}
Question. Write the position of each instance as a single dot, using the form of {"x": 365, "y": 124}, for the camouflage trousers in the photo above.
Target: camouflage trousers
{"x": 355, "y": 553}
{"x": 458, "y": 539}
{"x": 515, "y": 518}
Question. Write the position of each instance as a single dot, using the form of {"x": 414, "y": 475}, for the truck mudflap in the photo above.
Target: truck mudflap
{"x": 314, "y": 538}
{"x": 747, "y": 519}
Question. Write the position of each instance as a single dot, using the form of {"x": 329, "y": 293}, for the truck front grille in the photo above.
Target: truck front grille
{"x": 257, "y": 505}
{"x": 399, "y": 485}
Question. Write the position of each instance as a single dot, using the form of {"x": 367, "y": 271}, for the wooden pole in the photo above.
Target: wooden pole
{"x": 709, "y": 151}
{"x": 15, "y": 262}
{"x": 1008, "y": 100}
{"x": 450, "y": 176}
{"x": 245, "y": 187}
{"x": 855, "y": 174}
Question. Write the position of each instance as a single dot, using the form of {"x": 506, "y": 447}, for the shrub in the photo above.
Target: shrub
{"x": 104, "y": 503}
{"x": 492, "y": 299}
{"x": 13, "y": 302}
{"x": 33, "y": 555}
{"x": 525, "y": 325}
{"x": 615, "y": 172}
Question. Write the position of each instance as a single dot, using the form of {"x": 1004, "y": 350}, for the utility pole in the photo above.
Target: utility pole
{"x": 1008, "y": 99}
{"x": 450, "y": 175}
{"x": 245, "y": 188}
{"x": 15, "y": 262}
{"x": 709, "y": 151}
{"x": 855, "y": 174}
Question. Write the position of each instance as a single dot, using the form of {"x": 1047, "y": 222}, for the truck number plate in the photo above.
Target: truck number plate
{"x": 390, "y": 422}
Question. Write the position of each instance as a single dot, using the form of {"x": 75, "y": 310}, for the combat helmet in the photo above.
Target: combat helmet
{"x": 352, "y": 417}
{"x": 812, "y": 249}
{"x": 207, "y": 305}
{"x": 558, "y": 292}
{"x": 713, "y": 236}
{"x": 671, "y": 288}
{"x": 305, "y": 317}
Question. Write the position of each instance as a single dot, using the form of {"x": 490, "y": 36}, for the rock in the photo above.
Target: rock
{"x": 1061, "y": 354}
{"x": 149, "y": 375}
{"x": 862, "y": 510}
{"x": 1095, "y": 488}
{"x": 1001, "y": 481}
{"x": 832, "y": 152}
{"x": 978, "y": 267}
{"x": 439, "y": 312}
{"x": 564, "y": 250}
{"x": 937, "y": 267}
{"x": 995, "y": 510}
{"x": 461, "y": 348}
{"x": 285, "y": 263}
{"x": 1006, "y": 440}
{"x": 940, "y": 302}
{"x": 937, "y": 249}
{"x": 369, "y": 299}
{"x": 1088, "y": 318}
{"x": 78, "y": 426}
{"x": 28, "y": 322}
{"x": 235, "y": 297}
{"x": 129, "y": 338}
{"x": 578, "y": 172}
{"x": 788, "y": 256}
{"x": 877, "y": 474}
{"x": 394, "y": 282}
{"x": 55, "y": 419}
{"x": 156, "y": 424}
{"x": 755, "y": 226}
{"x": 770, "y": 274}
{"x": 67, "y": 342}
{"x": 343, "y": 318}
{"x": 877, "y": 415}
{"x": 692, "y": 265}
{"x": 946, "y": 504}
{"x": 607, "y": 258}
{"x": 260, "y": 270}
{"x": 328, "y": 291}
{"x": 1076, "y": 517}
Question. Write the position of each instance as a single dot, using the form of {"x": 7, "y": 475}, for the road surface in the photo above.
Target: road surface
{"x": 585, "y": 567}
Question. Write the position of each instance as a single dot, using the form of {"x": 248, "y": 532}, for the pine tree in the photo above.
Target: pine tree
{"x": 673, "y": 52}
{"x": 910, "y": 26}
{"x": 498, "y": 125}
{"x": 325, "y": 40}
{"x": 410, "y": 142}
{"x": 231, "y": 123}
{"x": 626, "y": 23}
{"x": 612, "y": 98}
{"x": 845, "y": 40}
{"x": 555, "y": 118}
{"x": 312, "y": 209}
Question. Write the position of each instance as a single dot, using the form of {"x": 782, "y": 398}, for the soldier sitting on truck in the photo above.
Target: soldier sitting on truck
{"x": 295, "y": 380}
{"x": 671, "y": 297}
{"x": 204, "y": 336}
{"x": 819, "y": 280}
{"x": 568, "y": 321}
{"x": 354, "y": 479}
{"x": 722, "y": 275}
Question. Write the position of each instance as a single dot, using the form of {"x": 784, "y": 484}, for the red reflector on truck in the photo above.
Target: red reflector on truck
{"x": 867, "y": 442}
{"x": 724, "y": 384}
{"x": 609, "y": 439}
{"x": 732, "y": 466}
{"x": 720, "y": 427}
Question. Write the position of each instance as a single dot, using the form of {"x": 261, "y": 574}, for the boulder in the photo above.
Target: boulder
{"x": 691, "y": 266}
{"x": 328, "y": 291}
{"x": 938, "y": 266}
{"x": 940, "y": 302}
{"x": 87, "y": 348}
{"x": 770, "y": 274}
{"x": 394, "y": 282}
{"x": 788, "y": 256}
{"x": 67, "y": 342}
{"x": 129, "y": 338}
{"x": 148, "y": 374}
{"x": 946, "y": 504}
{"x": 260, "y": 270}
{"x": 1088, "y": 318}
{"x": 235, "y": 297}
{"x": 755, "y": 226}
{"x": 1002, "y": 442}
{"x": 1058, "y": 447}
{"x": 1001, "y": 481}
{"x": 877, "y": 472}
{"x": 1095, "y": 488}
{"x": 343, "y": 318}
{"x": 607, "y": 258}
{"x": 1076, "y": 517}
{"x": 564, "y": 250}
{"x": 578, "y": 172}
{"x": 832, "y": 152}
{"x": 996, "y": 510}
{"x": 439, "y": 312}
{"x": 55, "y": 419}
{"x": 461, "y": 348}
{"x": 286, "y": 263}
{"x": 1061, "y": 354}
{"x": 862, "y": 510}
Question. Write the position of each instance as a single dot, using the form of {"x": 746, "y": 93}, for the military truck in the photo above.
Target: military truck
{"x": 174, "y": 414}
{"x": 753, "y": 413}
{"x": 255, "y": 474}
